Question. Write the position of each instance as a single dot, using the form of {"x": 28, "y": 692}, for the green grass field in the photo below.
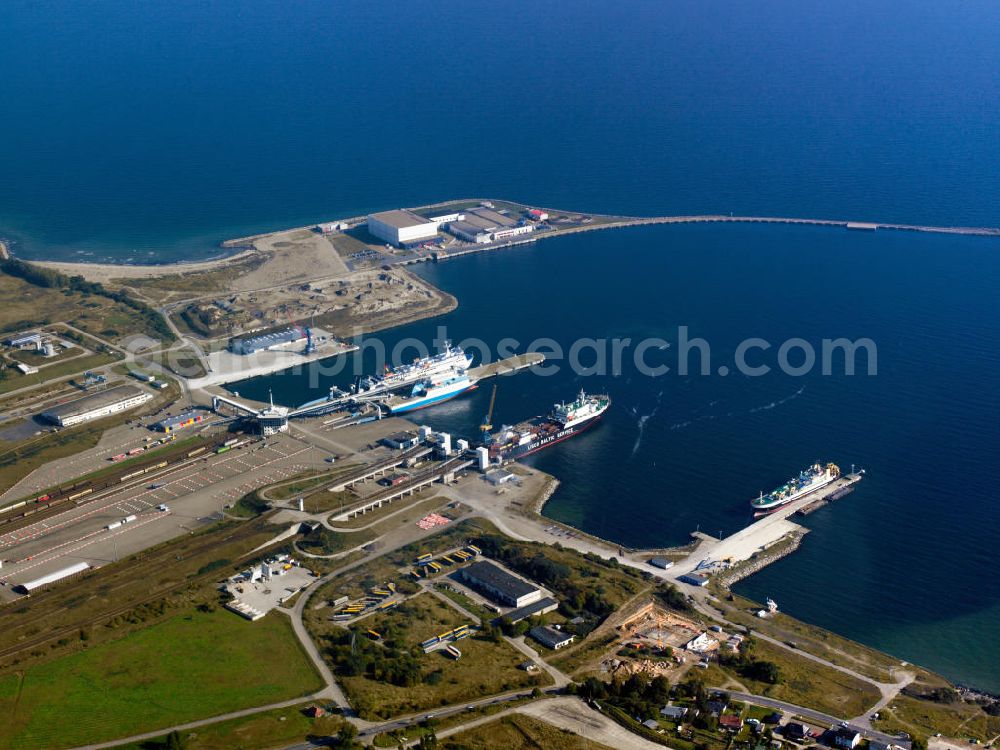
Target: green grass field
{"x": 267, "y": 729}
{"x": 15, "y": 381}
{"x": 189, "y": 667}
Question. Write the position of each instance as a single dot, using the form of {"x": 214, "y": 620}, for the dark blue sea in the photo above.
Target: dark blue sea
{"x": 150, "y": 132}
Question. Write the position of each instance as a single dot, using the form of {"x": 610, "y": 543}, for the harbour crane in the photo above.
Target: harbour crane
{"x": 487, "y": 423}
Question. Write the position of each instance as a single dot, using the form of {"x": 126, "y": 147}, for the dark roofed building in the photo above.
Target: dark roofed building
{"x": 793, "y": 730}
{"x": 499, "y": 585}
{"x": 673, "y": 712}
{"x": 541, "y": 607}
{"x": 846, "y": 738}
{"x": 551, "y": 638}
{"x": 715, "y": 707}
{"x": 401, "y": 440}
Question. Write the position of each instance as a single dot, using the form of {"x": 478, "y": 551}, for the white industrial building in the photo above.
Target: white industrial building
{"x": 265, "y": 341}
{"x": 401, "y": 227}
{"x": 101, "y": 404}
{"x": 272, "y": 420}
{"x": 28, "y": 586}
{"x": 484, "y": 225}
{"x": 28, "y": 339}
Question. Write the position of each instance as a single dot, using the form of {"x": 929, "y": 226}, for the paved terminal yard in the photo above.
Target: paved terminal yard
{"x": 194, "y": 494}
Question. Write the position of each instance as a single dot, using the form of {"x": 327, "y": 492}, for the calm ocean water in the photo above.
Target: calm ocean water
{"x": 145, "y": 132}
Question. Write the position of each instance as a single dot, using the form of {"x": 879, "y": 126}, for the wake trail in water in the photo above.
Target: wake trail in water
{"x": 779, "y": 402}
{"x": 754, "y": 410}
{"x": 642, "y": 423}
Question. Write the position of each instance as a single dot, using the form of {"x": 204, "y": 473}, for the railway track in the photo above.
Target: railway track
{"x": 149, "y": 559}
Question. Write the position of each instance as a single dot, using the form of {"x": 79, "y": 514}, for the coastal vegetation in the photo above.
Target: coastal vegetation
{"x": 799, "y": 680}
{"x": 805, "y": 637}
{"x": 926, "y": 710}
{"x": 150, "y": 321}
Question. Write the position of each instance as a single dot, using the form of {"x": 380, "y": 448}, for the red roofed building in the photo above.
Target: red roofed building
{"x": 732, "y": 722}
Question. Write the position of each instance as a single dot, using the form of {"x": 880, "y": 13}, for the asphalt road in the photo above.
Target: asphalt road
{"x": 808, "y": 713}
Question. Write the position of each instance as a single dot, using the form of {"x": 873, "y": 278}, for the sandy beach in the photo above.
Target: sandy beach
{"x": 105, "y": 272}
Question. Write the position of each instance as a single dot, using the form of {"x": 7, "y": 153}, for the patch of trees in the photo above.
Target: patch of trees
{"x": 251, "y": 504}
{"x": 745, "y": 664}
{"x": 638, "y": 696}
{"x": 214, "y": 565}
{"x": 195, "y": 321}
{"x": 355, "y": 655}
{"x": 673, "y": 597}
{"x": 20, "y": 325}
{"x": 556, "y": 576}
{"x": 48, "y": 278}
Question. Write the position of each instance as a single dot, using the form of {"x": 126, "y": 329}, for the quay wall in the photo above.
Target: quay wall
{"x": 730, "y": 577}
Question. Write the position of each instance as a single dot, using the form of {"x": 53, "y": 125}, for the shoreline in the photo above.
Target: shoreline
{"x": 145, "y": 270}
{"x": 244, "y": 246}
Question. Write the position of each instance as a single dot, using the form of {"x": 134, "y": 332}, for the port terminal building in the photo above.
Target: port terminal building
{"x": 403, "y": 228}
{"x": 484, "y": 225}
{"x": 276, "y": 339}
{"x": 499, "y": 585}
{"x": 97, "y": 405}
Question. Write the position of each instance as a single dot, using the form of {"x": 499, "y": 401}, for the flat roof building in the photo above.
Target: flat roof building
{"x": 401, "y": 440}
{"x": 499, "y": 585}
{"x": 253, "y": 344}
{"x": 541, "y": 607}
{"x": 479, "y": 230}
{"x": 25, "y": 340}
{"x": 551, "y": 638}
{"x": 694, "y": 579}
{"x": 185, "y": 419}
{"x": 97, "y": 405}
{"x": 489, "y": 215}
{"x": 272, "y": 420}
{"x": 401, "y": 227}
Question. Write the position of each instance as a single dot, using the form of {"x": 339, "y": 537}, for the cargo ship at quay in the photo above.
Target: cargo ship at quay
{"x": 423, "y": 373}
{"x": 563, "y": 422}
{"x": 815, "y": 477}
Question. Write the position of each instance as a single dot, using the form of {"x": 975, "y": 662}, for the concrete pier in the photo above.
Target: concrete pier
{"x": 715, "y": 555}
{"x": 506, "y": 366}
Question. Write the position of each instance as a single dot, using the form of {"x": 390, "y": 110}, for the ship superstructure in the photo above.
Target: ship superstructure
{"x": 564, "y": 421}
{"x": 809, "y": 480}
